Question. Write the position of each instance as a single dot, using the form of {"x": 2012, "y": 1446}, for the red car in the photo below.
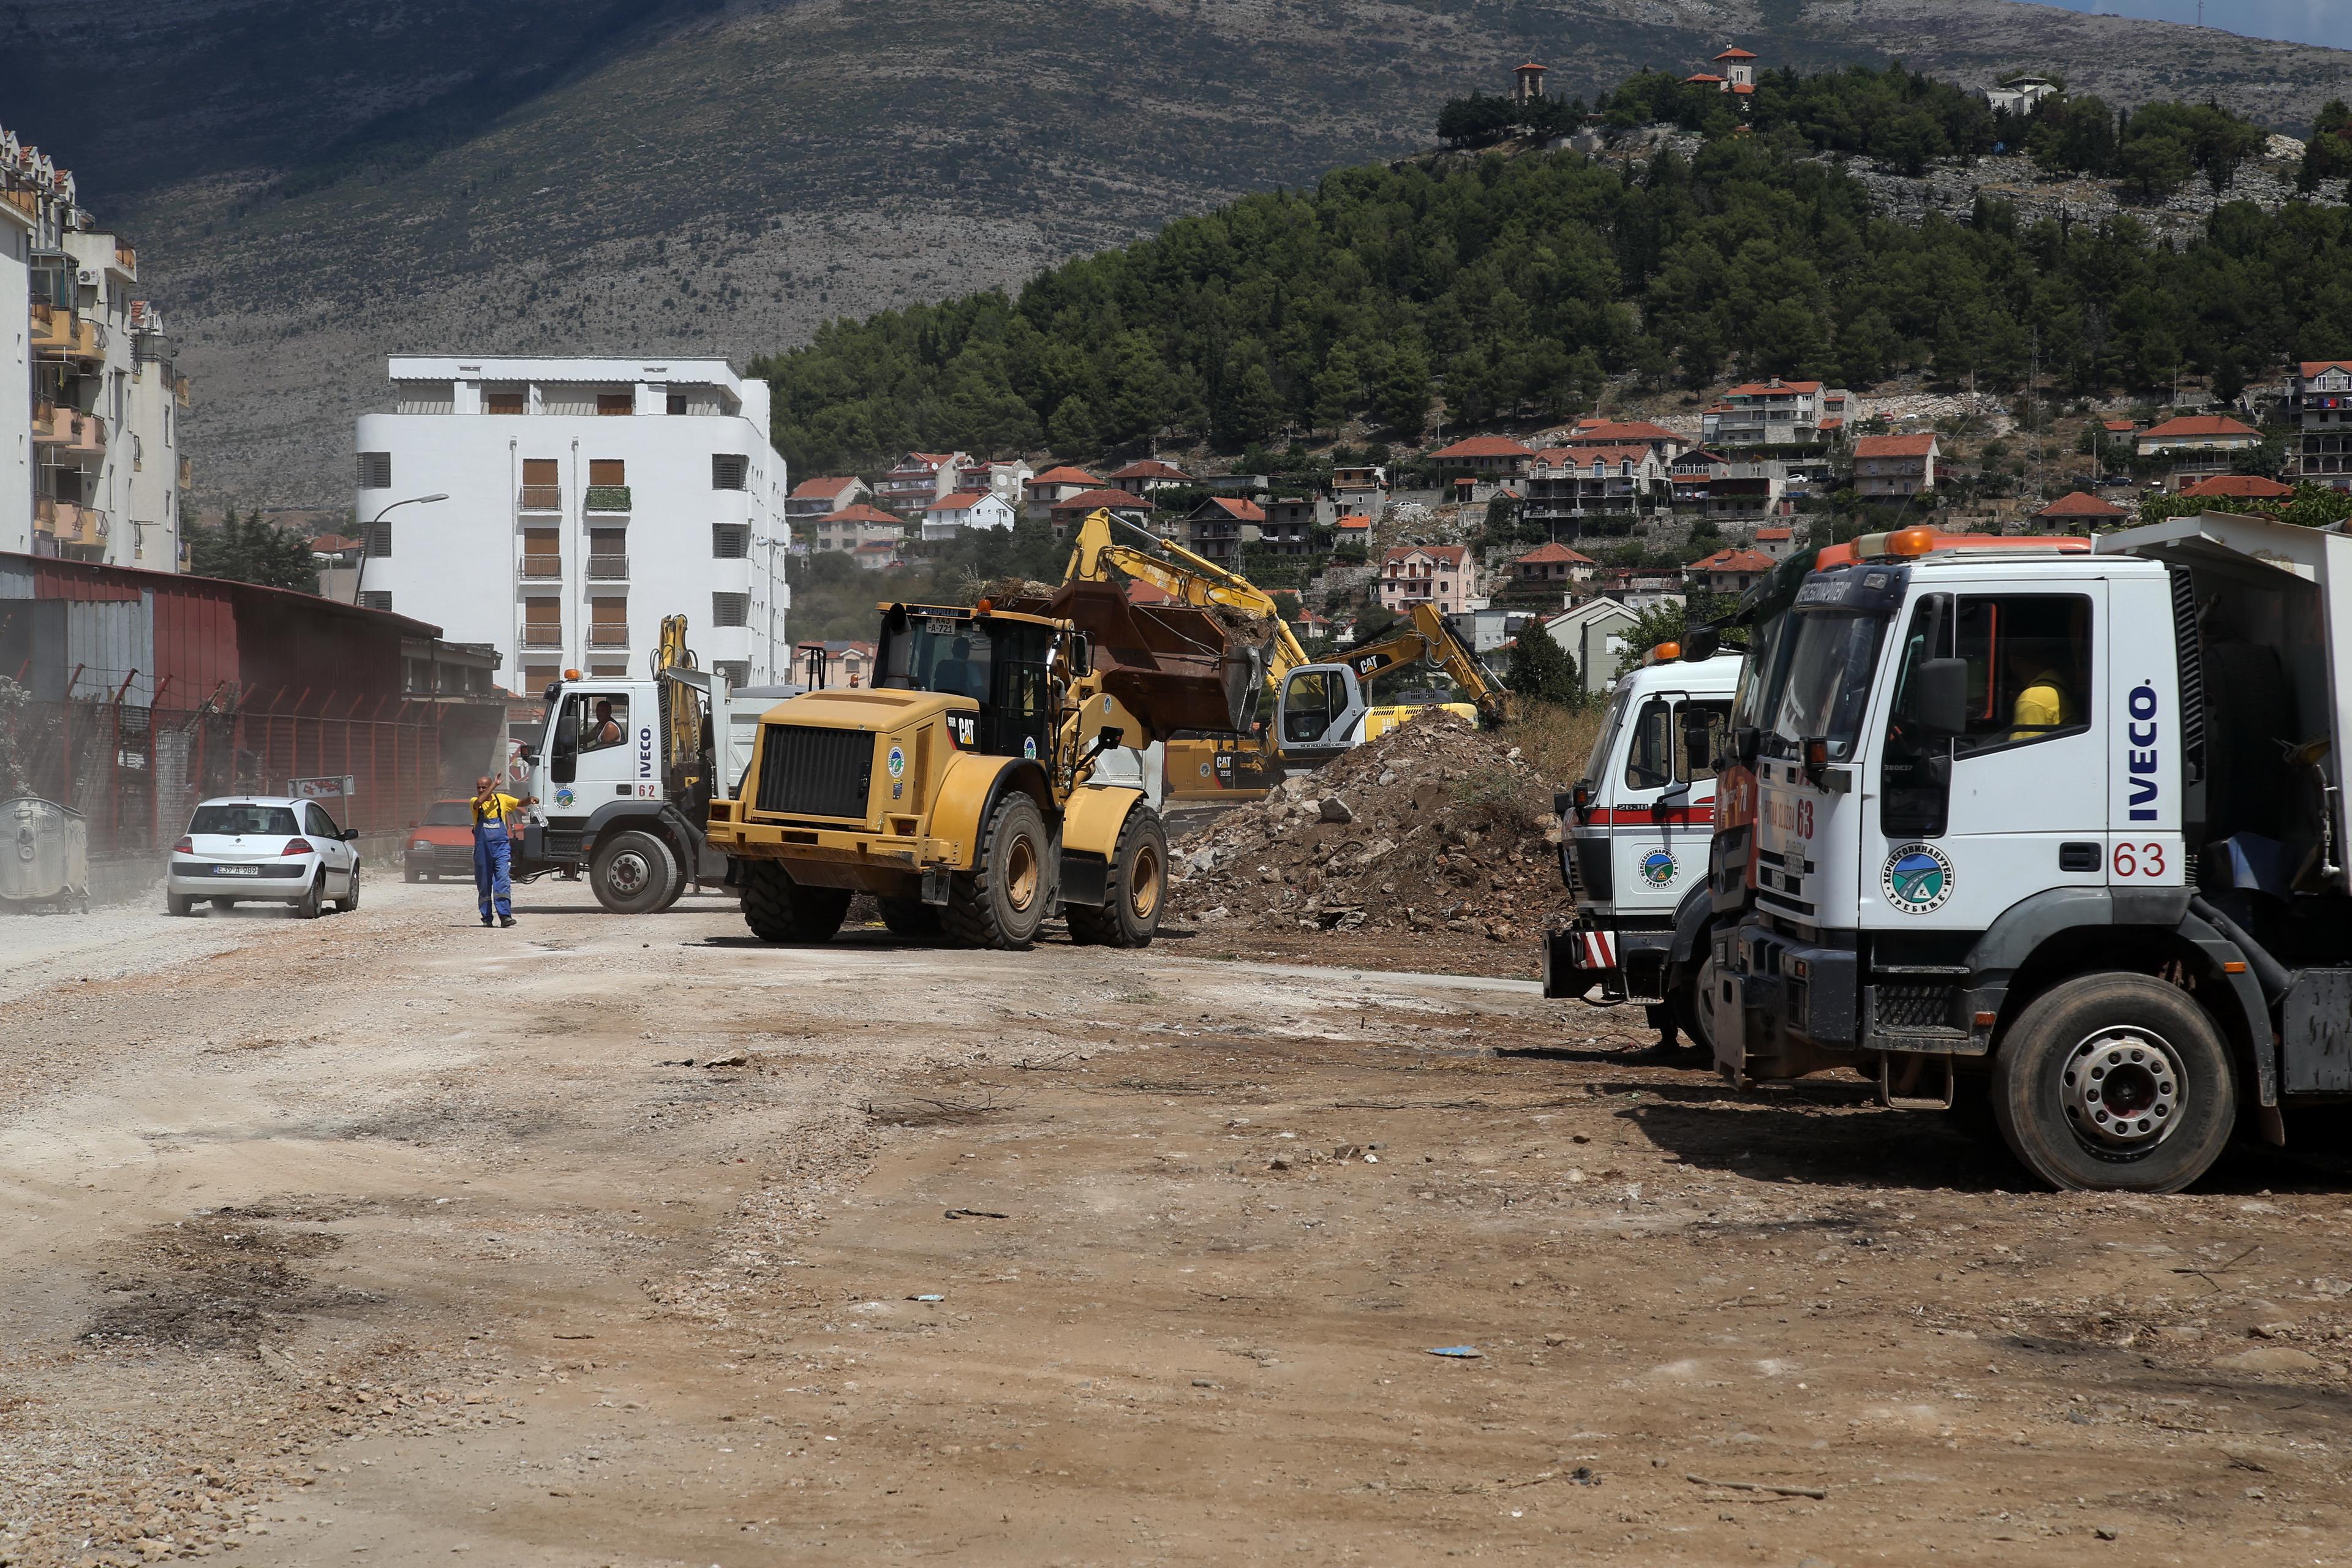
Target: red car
{"x": 442, "y": 844}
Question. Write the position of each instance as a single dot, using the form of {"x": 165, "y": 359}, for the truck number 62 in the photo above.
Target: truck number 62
{"x": 2139, "y": 859}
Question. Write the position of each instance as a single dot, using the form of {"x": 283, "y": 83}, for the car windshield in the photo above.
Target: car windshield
{"x": 449, "y": 813}
{"x": 1830, "y": 666}
{"x": 264, "y": 821}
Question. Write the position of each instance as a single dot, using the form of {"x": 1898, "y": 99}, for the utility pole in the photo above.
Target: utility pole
{"x": 367, "y": 536}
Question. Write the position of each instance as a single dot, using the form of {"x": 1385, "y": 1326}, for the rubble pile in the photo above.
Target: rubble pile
{"x": 1432, "y": 827}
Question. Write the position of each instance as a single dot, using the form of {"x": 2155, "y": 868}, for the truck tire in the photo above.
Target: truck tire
{"x": 778, "y": 909}
{"x": 1135, "y": 890}
{"x": 1001, "y": 902}
{"x": 1687, "y": 993}
{"x": 911, "y": 920}
{"x": 632, "y": 872}
{"x": 680, "y": 882}
{"x": 2115, "y": 1082}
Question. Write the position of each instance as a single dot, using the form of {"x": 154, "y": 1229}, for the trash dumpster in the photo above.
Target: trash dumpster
{"x": 44, "y": 855}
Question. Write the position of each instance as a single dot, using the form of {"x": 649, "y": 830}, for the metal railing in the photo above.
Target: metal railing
{"x": 608, "y": 498}
{"x": 542, "y": 636}
{"x": 543, "y": 566}
{"x": 608, "y": 637}
{"x": 541, "y": 498}
{"x": 608, "y": 568}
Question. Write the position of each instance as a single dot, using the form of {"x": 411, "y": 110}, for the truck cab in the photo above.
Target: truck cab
{"x": 2060, "y": 832}
{"x": 1634, "y": 836}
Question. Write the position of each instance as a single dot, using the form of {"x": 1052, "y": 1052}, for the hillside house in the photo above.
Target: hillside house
{"x": 2021, "y": 94}
{"x": 2076, "y": 512}
{"x": 814, "y": 499}
{"x": 1895, "y": 467}
{"x": 1780, "y": 544}
{"x": 1640, "y": 587}
{"x": 846, "y": 663}
{"x": 1150, "y": 474}
{"x": 1568, "y": 486}
{"x": 853, "y": 527}
{"x": 1057, "y": 484}
{"x": 1713, "y": 485}
{"x": 1627, "y": 432}
{"x": 1439, "y": 574}
{"x": 1356, "y": 529}
{"x": 917, "y": 479}
{"x": 1775, "y": 412}
{"x": 1291, "y": 524}
{"x": 1553, "y": 565}
{"x": 1728, "y": 572}
{"x": 1124, "y": 505}
{"x": 966, "y": 511}
{"x": 1492, "y": 456}
{"x": 2238, "y": 487}
{"x": 1593, "y": 634}
{"x": 2198, "y": 435}
{"x": 1528, "y": 83}
{"x": 2321, "y": 396}
{"x": 1359, "y": 487}
{"x": 1009, "y": 479}
{"x": 1218, "y": 528}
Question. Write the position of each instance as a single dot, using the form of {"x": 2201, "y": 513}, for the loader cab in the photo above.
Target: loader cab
{"x": 1004, "y": 663}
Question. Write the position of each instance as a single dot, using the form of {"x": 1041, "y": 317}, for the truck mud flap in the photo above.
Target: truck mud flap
{"x": 1574, "y": 962}
{"x": 1086, "y": 879}
{"x": 1727, "y": 1009}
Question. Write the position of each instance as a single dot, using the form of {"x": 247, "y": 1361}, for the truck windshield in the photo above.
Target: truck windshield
{"x": 1596, "y": 766}
{"x": 1830, "y": 666}
{"x": 936, "y": 653}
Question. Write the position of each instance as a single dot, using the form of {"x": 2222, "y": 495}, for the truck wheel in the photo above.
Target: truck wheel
{"x": 680, "y": 882}
{"x": 1001, "y": 902}
{"x": 1134, "y": 892}
{"x": 632, "y": 872}
{"x": 1693, "y": 982}
{"x": 778, "y": 909}
{"x": 911, "y": 920}
{"x": 2115, "y": 1082}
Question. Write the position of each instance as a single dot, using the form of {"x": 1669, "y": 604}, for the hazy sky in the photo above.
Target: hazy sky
{"x": 2326, "y": 22}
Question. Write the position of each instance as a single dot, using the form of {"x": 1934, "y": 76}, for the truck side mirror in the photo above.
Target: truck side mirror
{"x": 1698, "y": 753}
{"x": 1747, "y": 743}
{"x": 1940, "y": 696}
{"x": 1702, "y": 642}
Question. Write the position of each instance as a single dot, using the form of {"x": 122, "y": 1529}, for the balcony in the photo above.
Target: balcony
{"x": 608, "y": 568}
{"x": 608, "y": 498}
{"x": 187, "y": 473}
{"x": 541, "y": 498}
{"x": 608, "y": 637}
{"x": 69, "y": 522}
{"x": 126, "y": 257}
{"x": 49, "y": 428}
{"x": 541, "y": 568}
{"x": 538, "y": 633}
{"x": 53, "y": 328}
{"x": 88, "y": 433}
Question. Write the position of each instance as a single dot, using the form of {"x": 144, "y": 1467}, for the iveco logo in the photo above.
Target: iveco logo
{"x": 644, "y": 751}
{"x": 2142, "y": 758}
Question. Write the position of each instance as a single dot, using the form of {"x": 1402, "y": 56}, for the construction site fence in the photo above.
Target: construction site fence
{"x": 135, "y": 774}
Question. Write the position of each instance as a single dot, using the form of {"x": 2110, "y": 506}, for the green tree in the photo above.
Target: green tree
{"x": 1540, "y": 669}
{"x": 252, "y": 550}
{"x": 1074, "y": 428}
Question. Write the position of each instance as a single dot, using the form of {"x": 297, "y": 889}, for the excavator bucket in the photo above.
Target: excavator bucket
{"x": 1178, "y": 666}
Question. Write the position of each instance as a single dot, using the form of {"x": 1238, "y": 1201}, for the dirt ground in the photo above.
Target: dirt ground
{"x": 385, "y": 1238}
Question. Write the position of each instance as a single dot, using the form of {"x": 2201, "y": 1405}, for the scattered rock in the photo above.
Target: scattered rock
{"x": 2271, "y": 1358}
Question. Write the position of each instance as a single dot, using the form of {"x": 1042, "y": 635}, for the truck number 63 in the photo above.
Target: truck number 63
{"x": 2144, "y": 860}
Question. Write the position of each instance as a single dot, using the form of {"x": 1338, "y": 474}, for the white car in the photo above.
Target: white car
{"x": 264, "y": 849}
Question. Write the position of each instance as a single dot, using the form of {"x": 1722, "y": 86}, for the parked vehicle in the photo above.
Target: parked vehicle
{"x": 44, "y": 855}
{"x": 442, "y": 844}
{"x": 263, "y": 849}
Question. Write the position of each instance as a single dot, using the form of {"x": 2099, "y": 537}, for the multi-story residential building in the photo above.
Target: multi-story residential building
{"x": 1147, "y": 475}
{"x": 1439, "y": 574}
{"x": 1729, "y": 571}
{"x": 1627, "y": 432}
{"x": 2199, "y": 444}
{"x": 1571, "y": 488}
{"x": 814, "y": 499}
{"x": 1895, "y": 467}
{"x": 1359, "y": 487}
{"x": 1775, "y": 412}
{"x": 586, "y": 499}
{"x": 1219, "y": 526}
{"x": 1006, "y": 478}
{"x": 92, "y": 470}
{"x": 1072, "y": 508}
{"x": 857, "y": 527}
{"x": 917, "y": 479}
{"x": 1292, "y": 523}
{"x": 1593, "y": 634}
{"x": 1496, "y": 457}
{"x": 967, "y": 509}
{"x": 2321, "y": 396}
{"x": 1713, "y": 485}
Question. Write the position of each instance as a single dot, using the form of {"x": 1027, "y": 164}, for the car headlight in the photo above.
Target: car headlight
{"x": 422, "y": 844}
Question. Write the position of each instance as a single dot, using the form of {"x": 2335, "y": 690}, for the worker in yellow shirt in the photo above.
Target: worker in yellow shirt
{"x": 2044, "y": 702}
{"x": 496, "y": 814}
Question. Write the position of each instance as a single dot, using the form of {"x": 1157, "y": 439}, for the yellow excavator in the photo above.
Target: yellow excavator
{"x": 1320, "y": 709}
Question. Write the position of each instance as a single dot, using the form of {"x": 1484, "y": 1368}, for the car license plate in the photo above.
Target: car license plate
{"x": 236, "y": 871}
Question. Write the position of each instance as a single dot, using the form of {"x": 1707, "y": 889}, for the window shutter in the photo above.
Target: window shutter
{"x": 729, "y": 541}
{"x": 379, "y": 541}
{"x": 730, "y": 609}
{"x": 607, "y": 472}
{"x": 728, "y": 471}
{"x": 375, "y": 471}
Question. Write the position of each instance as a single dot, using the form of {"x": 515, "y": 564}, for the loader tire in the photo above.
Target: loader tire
{"x": 1001, "y": 902}
{"x": 911, "y": 920}
{"x": 778, "y": 909}
{"x": 1134, "y": 892}
{"x": 632, "y": 872}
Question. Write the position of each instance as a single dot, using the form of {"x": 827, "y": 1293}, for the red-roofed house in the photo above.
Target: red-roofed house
{"x": 2322, "y": 393}
{"x": 1729, "y": 571}
{"x": 918, "y": 480}
{"x": 852, "y": 528}
{"x": 1739, "y": 68}
{"x": 1358, "y": 486}
{"x": 1780, "y": 544}
{"x": 1552, "y": 563}
{"x": 1628, "y": 433}
{"x": 2238, "y": 487}
{"x": 1058, "y": 484}
{"x": 846, "y": 663}
{"x": 813, "y": 499}
{"x": 1438, "y": 574}
{"x": 1570, "y": 485}
{"x": 1219, "y": 526}
{"x": 1072, "y": 510}
{"x": 1355, "y": 529}
{"x": 1491, "y": 455}
{"x": 1895, "y": 467}
{"x": 2198, "y": 433}
{"x": 1775, "y": 412}
{"x": 2076, "y": 512}
{"x": 1008, "y": 479}
{"x": 965, "y": 510}
{"x": 1149, "y": 474}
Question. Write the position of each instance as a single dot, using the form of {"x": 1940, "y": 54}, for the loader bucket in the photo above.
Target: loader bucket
{"x": 1179, "y": 667}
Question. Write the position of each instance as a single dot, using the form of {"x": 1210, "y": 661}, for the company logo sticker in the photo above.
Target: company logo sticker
{"x": 898, "y": 762}
{"x": 1658, "y": 869}
{"x": 563, "y": 797}
{"x": 1029, "y": 747}
{"x": 1917, "y": 879}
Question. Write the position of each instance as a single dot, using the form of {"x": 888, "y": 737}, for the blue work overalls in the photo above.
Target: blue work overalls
{"x": 493, "y": 855}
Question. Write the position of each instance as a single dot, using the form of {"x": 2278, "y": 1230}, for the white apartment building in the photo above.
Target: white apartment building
{"x": 91, "y": 467}
{"x": 587, "y": 499}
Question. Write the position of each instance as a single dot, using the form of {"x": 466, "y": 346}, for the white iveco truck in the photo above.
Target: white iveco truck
{"x": 1633, "y": 842}
{"x": 2066, "y": 831}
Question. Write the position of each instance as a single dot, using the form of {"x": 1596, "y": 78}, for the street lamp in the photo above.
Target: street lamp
{"x": 769, "y": 543}
{"x": 367, "y": 536}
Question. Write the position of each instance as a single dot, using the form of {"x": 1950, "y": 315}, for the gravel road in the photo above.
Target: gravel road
{"x": 383, "y": 1238}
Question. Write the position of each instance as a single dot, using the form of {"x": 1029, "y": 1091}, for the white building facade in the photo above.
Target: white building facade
{"x": 587, "y": 499}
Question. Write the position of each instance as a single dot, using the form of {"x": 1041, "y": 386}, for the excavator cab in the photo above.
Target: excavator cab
{"x": 1318, "y": 714}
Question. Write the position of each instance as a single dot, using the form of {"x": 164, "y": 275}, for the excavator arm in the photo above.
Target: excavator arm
{"x": 1183, "y": 575}
{"x": 1432, "y": 640}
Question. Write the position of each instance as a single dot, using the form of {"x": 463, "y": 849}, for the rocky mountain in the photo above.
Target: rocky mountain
{"x": 315, "y": 185}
